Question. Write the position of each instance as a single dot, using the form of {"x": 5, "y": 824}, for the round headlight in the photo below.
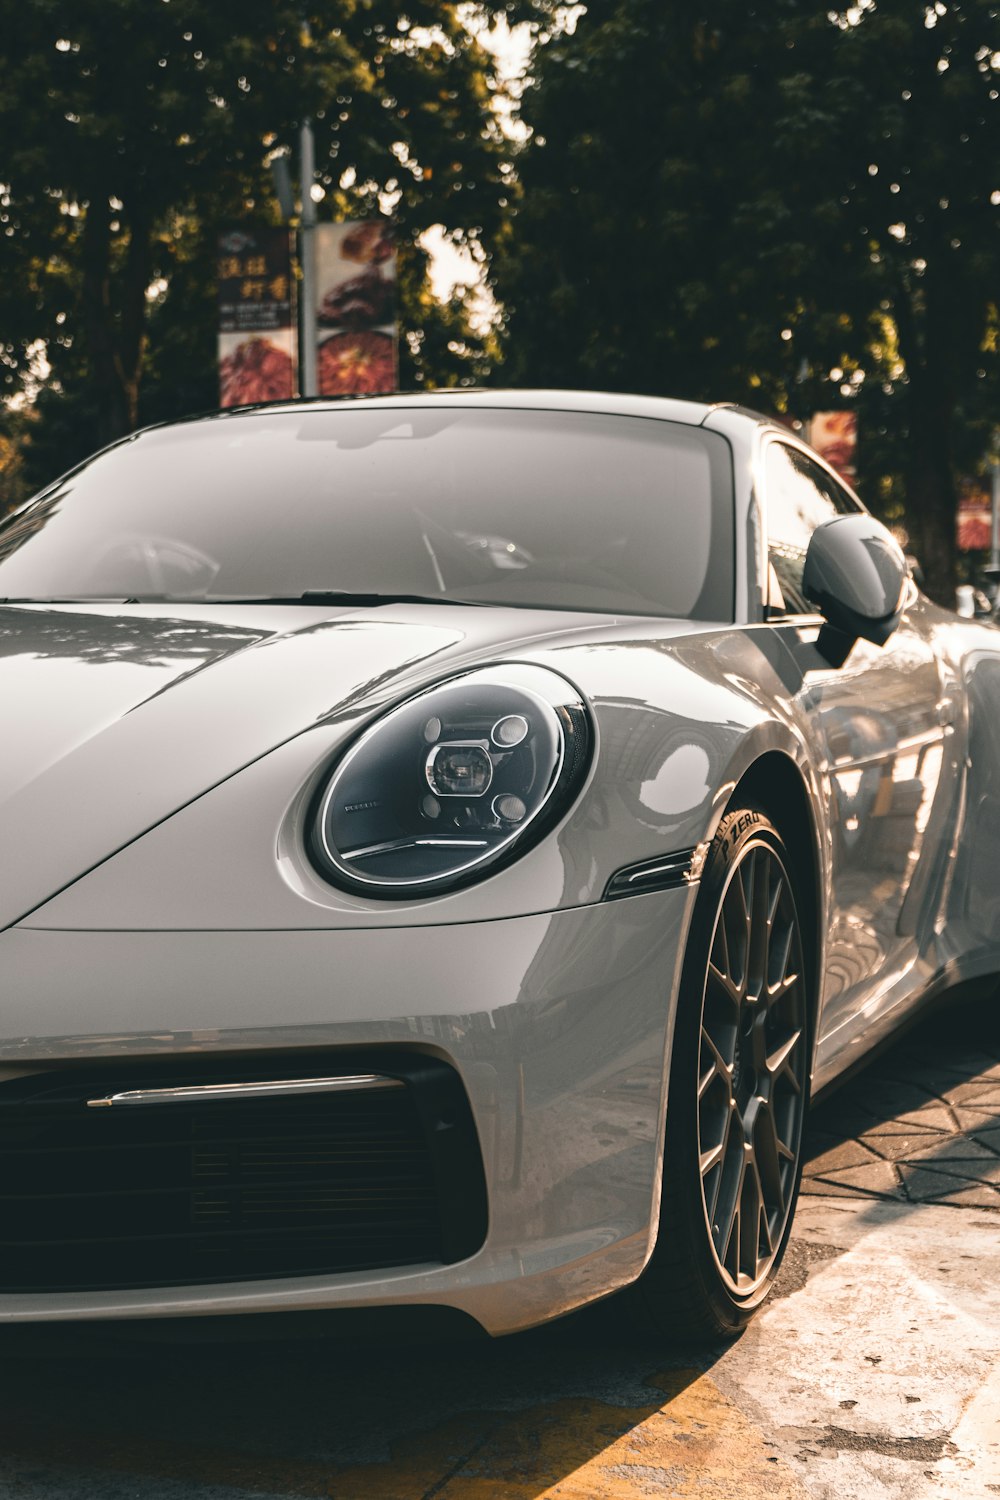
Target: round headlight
{"x": 453, "y": 783}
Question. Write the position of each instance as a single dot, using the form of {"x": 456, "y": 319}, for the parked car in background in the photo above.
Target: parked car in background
{"x": 447, "y": 841}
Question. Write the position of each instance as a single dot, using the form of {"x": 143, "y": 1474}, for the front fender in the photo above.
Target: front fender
{"x": 678, "y": 720}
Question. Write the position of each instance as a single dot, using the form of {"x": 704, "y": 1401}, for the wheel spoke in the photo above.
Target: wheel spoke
{"x": 750, "y": 1212}
{"x": 778, "y": 957}
{"x": 729, "y": 1188}
{"x": 769, "y": 1152}
{"x": 763, "y": 1247}
{"x": 720, "y": 962}
{"x": 719, "y": 1066}
{"x": 778, "y": 1058}
{"x": 725, "y": 983}
{"x": 760, "y": 921}
{"x": 743, "y": 886}
{"x": 735, "y": 919}
{"x": 712, "y": 1157}
{"x": 731, "y": 1235}
{"x": 727, "y": 1132}
{"x": 778, "y": 991}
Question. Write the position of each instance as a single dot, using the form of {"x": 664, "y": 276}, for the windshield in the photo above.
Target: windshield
{"x": 556, "y": 509}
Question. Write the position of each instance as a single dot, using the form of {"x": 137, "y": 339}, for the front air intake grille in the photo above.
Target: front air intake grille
{"x": 198, "y": 1189}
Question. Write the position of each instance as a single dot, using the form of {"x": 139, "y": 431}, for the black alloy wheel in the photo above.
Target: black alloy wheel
{"x": 738, "y": 1089}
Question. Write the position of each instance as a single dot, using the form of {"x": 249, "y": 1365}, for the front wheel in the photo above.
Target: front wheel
{"x": 739, "y": 1083}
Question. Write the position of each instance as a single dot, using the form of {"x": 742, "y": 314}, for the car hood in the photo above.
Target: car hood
{"x": 114, "y": 717}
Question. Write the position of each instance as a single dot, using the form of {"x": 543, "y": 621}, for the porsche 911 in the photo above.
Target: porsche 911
{"x": 447, "y": 841}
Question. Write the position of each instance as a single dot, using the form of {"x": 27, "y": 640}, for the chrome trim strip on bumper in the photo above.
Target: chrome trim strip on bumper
{"x": 203, "y": 1093}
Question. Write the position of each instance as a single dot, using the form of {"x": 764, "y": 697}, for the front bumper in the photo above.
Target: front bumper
{"x": 557, "y": 1024}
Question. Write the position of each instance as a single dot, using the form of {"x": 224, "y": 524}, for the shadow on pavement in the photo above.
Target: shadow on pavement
{"x": 91, "y": 1413}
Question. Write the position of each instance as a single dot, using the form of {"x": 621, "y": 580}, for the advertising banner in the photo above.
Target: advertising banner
{"x": 356, "y": 308}
{"x": 834, "y": 435}
{"x": 256, "y": 329}
{"x": 975, "y": 515}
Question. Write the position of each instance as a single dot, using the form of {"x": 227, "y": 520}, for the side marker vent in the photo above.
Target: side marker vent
{"x": 667, "y": 873}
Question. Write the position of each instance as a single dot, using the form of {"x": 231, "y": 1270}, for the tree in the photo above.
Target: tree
{"x": 797, "y": 210}
{"x": 133, "y": 130}
{"x": 902, "y": 193}
{"x": 14, "y": 426}
{"x": 629, "y": 263}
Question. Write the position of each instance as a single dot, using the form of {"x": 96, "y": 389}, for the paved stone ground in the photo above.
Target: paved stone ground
{"x": 921, "y": 1125}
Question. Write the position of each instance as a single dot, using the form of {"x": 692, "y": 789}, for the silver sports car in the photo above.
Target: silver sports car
{"x": 446, "y": 840}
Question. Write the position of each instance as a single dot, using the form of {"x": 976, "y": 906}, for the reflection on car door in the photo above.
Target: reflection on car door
{"x": 879, "y": 725}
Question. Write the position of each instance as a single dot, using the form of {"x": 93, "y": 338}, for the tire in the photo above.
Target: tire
{"x": 739, "y": 1085}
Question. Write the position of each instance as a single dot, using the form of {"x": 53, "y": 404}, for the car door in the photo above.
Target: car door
{"x": 878, "y": 724}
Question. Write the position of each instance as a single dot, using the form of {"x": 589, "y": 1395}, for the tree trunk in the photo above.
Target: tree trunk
{"x": 931, "y": 504}
{"x": 938, "y": 334}
{"x": 132, "y": 342}
{"x": 114, "y": 320}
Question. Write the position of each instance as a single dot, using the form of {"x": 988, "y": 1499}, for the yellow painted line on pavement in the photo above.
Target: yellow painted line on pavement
{"x": 695, "y": 1446}
{"x": 692, "y": 1445}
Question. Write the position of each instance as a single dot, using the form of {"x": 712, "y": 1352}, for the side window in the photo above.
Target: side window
{"x": 799, "y": 496}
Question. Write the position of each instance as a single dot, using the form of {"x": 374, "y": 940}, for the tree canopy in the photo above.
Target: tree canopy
{"x": 790, "y": 206}
{"x": 134, "y": 130}
{"x": 795, "y": 208}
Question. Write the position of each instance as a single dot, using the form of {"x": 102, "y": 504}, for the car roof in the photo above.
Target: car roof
{"x": 692, "y": 413}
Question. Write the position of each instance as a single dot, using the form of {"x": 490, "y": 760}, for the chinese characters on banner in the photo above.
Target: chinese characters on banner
{"x": 834, "y": 435}
{"x": 355, "y": 308}
{"x": 256, "y": 332}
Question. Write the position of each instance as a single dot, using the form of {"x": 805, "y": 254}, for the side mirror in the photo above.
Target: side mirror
{"x": 856, "y": 575}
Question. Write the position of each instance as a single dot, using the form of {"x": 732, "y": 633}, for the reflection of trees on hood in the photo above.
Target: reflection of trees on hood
{"x": 101, "y": 639}
{"x": 383, "y": 688}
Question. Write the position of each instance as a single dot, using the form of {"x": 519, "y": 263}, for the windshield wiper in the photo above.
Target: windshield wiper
{"x": 319, "y": 597}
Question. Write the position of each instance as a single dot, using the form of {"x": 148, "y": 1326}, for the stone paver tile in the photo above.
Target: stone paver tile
{"x": 931, "y": 1114}
{"x": 822, "y": 1188}
{"x": 844, "y": 1123}
{"x": 933, "y": 1073}
{"x": 877, "y": 1179}
{"x": 889, "y": 1101}
{"x": 977, "y": 1093}
{"x": 988, "y": 1136}
{"x": 975, "y": 1119}
{"x": 972, "y": 1171}
{"x": 895, "y": 1127}
{"x": 941, "y": 1067}
{"x": 960, "y": 1148}
{"x": 903, "y": 1147}
{"x": 982, "y": 1062}
{"x": 841, "y": 1154}
{"x": 924, "y": 1186}
{"x": 976, "y": 1196}
{"x": 982, "y": 1071}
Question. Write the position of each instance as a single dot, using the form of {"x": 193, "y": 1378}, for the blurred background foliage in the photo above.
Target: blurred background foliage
{"x": 788, "y": 206}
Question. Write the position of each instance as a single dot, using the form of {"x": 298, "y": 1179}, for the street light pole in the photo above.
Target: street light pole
{"x": 308, "y": 384}
{"x": 995, "y": 522}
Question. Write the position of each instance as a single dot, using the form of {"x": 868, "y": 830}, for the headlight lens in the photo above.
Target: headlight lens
{"x": 453, "y": 783}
